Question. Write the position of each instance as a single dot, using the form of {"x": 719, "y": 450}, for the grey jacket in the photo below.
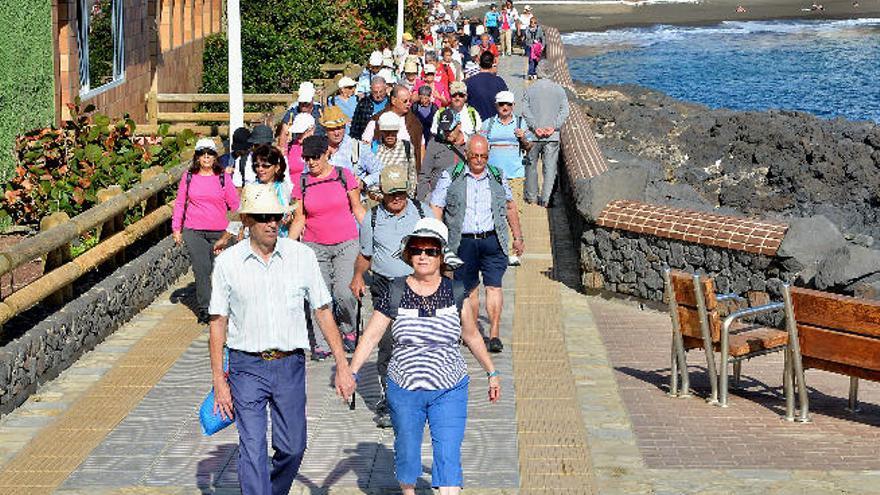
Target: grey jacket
{"x": 530, "y": 36}
{"x": 438, "y": 157}
{"x": 456, "y": 206}
{"x": 545, "y": 104}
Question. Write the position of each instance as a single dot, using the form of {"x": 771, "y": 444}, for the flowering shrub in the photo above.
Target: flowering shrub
{"x": 62, "y": 169}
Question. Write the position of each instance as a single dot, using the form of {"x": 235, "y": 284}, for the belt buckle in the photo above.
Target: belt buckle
{"x": 269, "y": 355}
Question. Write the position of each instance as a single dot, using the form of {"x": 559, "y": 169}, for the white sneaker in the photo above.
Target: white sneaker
{"x": 513, "y": 260}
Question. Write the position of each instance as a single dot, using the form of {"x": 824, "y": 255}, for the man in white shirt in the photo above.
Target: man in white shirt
{"x": 260, "y": 285}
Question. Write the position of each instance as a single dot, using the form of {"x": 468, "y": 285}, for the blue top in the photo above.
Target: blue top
{"x": 504, "y": 152}
{"x": 383, "y": 244}
{"x": 492, "y": 19}
{"x": 347, "y": 107}
{"x": 478, "y": 214}
{"x": 482, "y": 88}
{"x": 367, "y": 168}
{"x": 426, "y": 333}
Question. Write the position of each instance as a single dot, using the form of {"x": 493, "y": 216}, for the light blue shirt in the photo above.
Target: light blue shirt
{"x": 264, "y": 300}
{"x": 347, "y": 107}
{"x": 384, "y": 243}
{"x": 367, "y": 168}
{"x": 478, "y": 213}
{"x": 504, "y": 150}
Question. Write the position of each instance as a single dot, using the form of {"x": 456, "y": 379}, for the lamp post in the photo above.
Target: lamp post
{"x": 236, "y": 98}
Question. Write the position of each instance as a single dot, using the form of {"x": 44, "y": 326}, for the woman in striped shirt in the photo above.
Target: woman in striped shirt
{"x": 427, "y": 375}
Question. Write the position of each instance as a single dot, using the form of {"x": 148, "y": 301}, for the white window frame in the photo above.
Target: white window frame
{"x": 82, "y": 36}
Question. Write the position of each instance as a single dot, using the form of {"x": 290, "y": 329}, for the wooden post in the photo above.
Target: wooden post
{"x": 153, "y": 103}
{"x": 112, "y": 225}
{"x": 154, "y": 202}
{"x": 57, "y": 257}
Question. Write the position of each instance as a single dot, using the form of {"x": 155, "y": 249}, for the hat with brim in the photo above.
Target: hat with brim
{"x": 262, "y": 134}
{"x": 333, "y": 117}
{"x": 393, "y": 179}
{"x": 240, "y": 139}
{"x": 346, "y": 82}
{"x": 206, "y": 144}
{"x": 431, "y": 228}
{"x": 407, "y": 37}
{"x": 258, "y": 199}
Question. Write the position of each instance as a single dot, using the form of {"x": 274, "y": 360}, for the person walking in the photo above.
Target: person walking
{"x": 240, "y": 149}
{"x": 303, "y": 126}
{"x": 482, "y": 87}
{"x": 427, "y": 375}
{"x": 508, "y": 19}
{"x": 198, "y": 219}
{"x": 533, "y": 41}
{"x": 491, "y": 21}
{"x": 259, "y": 288}
{"x": 384, "y": 227}
{"x": 329, "y": 210}
{"x": 475, "y": 202}
{"x": 545, "y": 108}
{"x": 425, "y": 110}
{"x": 391, "y": 151}
{"x": 441, "y": 154}
{"x": 369, "y": 106}
{"x": 346, "y": 100}
{"x": 411, "y": 128}
{"x": 305, "y": 103}
{"x": 439, "y": 92}
{"x": 349, "y": 153}
{"x": 243, "y": 173}
{"x": 470, "y": 119}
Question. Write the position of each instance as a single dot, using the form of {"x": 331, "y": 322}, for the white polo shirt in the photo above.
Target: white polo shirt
{"x": 264, "y": 300}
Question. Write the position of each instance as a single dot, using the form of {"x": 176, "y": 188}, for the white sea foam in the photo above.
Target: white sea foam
{"x": 664, "y": 33}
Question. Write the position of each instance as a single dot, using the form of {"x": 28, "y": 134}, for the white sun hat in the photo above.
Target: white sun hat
{"x": 389, "y": 121}
{"x": 206, "y": 143}
{"x": 346, "y": 82}
{"x": 301, "y": 123}
{"x": 376, "y": 59}
{"x": 435, "y": 229}
{"x": 504, "y": 97}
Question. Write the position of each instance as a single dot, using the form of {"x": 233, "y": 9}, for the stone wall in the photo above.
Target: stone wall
{"x": 56, "y": 342}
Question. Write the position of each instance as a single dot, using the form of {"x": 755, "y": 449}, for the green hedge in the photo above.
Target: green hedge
{"x": 286, "y": 41}
{"x": 27, "y": 82}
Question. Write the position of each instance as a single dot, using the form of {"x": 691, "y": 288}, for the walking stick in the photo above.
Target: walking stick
{"x": 357, "y": 339}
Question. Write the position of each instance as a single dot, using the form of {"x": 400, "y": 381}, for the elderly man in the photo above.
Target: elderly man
{"x": 470, "y": 119}
{"x": 476, "y": 204}
{"x": 411, "y": 130}
{"x": 349, "y": 153}
{"x": 259, "y": 286}
{"x": 441, "y": 153}
{"x": 394, "y": 152}
{"x": 375, "y": 68}
{"x": 368, "y": 107}
{"x": 545, "y": 108}
{"x": 384, "y": 226}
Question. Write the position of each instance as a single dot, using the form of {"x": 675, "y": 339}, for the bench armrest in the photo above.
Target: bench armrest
{"x": 742, "y": 313}
{"x": 726, "y": 297}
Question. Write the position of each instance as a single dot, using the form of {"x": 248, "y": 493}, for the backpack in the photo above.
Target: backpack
{"x": 458, "y": 171}
{"x": 398, "y": 286}
{"x": 189, "y": 178}
{"x": 340, "y": 177}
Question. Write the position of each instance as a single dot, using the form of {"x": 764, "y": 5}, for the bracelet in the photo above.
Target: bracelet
{"x": 490, "y": 374}
{"x": 355, "y": 376}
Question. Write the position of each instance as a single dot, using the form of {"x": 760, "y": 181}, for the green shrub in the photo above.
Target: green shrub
{"x": 63, "y": 169}
{"x": 27, "y": 84}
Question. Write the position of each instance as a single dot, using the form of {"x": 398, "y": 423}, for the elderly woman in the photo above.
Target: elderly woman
{"x": 204, "y": 196}
{"x": 327, "y": 217}
{"x": 427, "y": 375}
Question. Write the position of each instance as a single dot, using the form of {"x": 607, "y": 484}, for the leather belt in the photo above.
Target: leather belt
{"x": 480, "y": 235}
{"x": 273, "y": 354}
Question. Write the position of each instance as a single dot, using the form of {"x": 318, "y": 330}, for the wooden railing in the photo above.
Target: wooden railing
{"x": 53, "y": 243}
{"x": 196, "y": 121}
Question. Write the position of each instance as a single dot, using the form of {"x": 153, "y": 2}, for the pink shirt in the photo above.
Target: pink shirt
{"x": 439, "y": 86}
{"x": 208, "y": 203}
{"x": 295, "y": 162}
{"x": 329, "y": 219}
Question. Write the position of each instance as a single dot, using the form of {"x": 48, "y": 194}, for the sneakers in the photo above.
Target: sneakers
{"x": 319, "y": 354}
{"x": 383, "y": 415}
{"x": 203, "y": 317}
{"x": 495, "y": 345}
{"x": 513, "y": 260}
{"x": 349, "y": 342}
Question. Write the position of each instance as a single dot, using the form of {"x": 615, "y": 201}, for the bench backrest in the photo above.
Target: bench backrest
{"x": 684, "y": 291}
{"x": 837, "y": 330}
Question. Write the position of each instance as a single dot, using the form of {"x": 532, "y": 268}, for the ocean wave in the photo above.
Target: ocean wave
{"x": 665, "y": 33}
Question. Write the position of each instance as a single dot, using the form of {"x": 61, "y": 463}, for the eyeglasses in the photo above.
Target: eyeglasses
{"x": 459, "y": 95}
{"x": 266, "y": 217}
{"x": 505, "y": 104}
{"x": 415, "y": 251}
{"x": 263, "y": 165}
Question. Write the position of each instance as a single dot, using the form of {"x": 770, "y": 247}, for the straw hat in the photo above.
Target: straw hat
{"x": 258, "y": 198}
{"x": 333, "y": 117}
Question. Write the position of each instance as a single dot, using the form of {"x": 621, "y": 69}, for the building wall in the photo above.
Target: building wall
{"x": 163, "y": 41}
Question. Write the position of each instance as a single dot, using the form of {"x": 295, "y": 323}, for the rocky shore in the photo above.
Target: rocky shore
{"x": 775, "y": 164}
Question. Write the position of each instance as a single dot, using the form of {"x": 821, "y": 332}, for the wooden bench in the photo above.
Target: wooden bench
{"x": 834, "y": 333}
{"x": 697, "y": 323}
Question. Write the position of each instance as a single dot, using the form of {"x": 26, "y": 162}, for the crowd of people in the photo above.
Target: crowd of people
{"x": 407, "y": 185}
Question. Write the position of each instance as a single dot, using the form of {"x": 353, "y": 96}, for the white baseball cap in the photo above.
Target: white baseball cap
{"x": 206, "y": 143}
{"x": 430, "y": 69}
{"x": 376, "y": 59}
{"x": 346, "y": 82}
{"x": 389, "y": 121}
{"x": 301, "y": 123}
{"x": 480, "y": 30}
{"x": 306, "y": 92}
{"x": 504, "y": 97}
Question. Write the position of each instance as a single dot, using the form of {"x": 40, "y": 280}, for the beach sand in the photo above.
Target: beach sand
{"x": 593, "y": 17}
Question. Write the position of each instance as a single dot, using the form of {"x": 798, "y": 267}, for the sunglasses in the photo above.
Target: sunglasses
{"x": 415, "y": 251}
{"x": 459, "y": 95}
{"x": 266, "y": 217}
{"x": 505, "y": 104}
{"x": 311, "y": 158}
{"x": 263, "y": 165}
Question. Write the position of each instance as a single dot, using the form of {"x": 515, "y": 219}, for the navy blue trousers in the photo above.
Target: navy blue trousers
{"x": 279, "y": 384}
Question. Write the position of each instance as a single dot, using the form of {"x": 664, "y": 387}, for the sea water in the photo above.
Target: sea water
{"x": 828, "y": 68}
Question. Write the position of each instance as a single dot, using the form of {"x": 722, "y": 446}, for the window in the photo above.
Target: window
{"x": 101, "y": 48}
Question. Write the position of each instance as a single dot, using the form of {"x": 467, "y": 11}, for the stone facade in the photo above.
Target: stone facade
{"x": 59, "y": 340}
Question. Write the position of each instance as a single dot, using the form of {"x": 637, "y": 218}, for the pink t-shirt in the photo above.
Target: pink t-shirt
{"x": 439, "y": 86}
{"x": 208, "y": 203}
{"x": 329, "y": 219}
{"x": 295, "y": 162}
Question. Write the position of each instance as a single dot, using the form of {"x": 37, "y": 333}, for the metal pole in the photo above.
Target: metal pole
{"x": 677, "y": 342}
{"x": 707, "y": 342}
{"x": 236, "y": 97}
{"x": 399, "y": 32}
{"x": 853, "y": 405}
{"x": 796, "y": 362}
{"x": 788, "y": 385}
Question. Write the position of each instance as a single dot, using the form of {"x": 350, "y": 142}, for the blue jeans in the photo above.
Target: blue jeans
{"x": 446, "y": 413}
{"x": 281, "y": 385}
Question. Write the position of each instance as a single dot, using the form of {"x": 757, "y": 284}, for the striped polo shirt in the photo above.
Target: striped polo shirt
{"x": 426, "y": 335}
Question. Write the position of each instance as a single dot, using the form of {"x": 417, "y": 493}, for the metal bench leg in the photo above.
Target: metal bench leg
{"x": 679, "y": 358}
{"x": 853, "y": 405}
{"x": 673, "y": 371}
{"x": 737, "y": 373}
{"x": 707, "y": 344}
{"x": 788, "y": 386}
{"x": 797, "y": 366}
